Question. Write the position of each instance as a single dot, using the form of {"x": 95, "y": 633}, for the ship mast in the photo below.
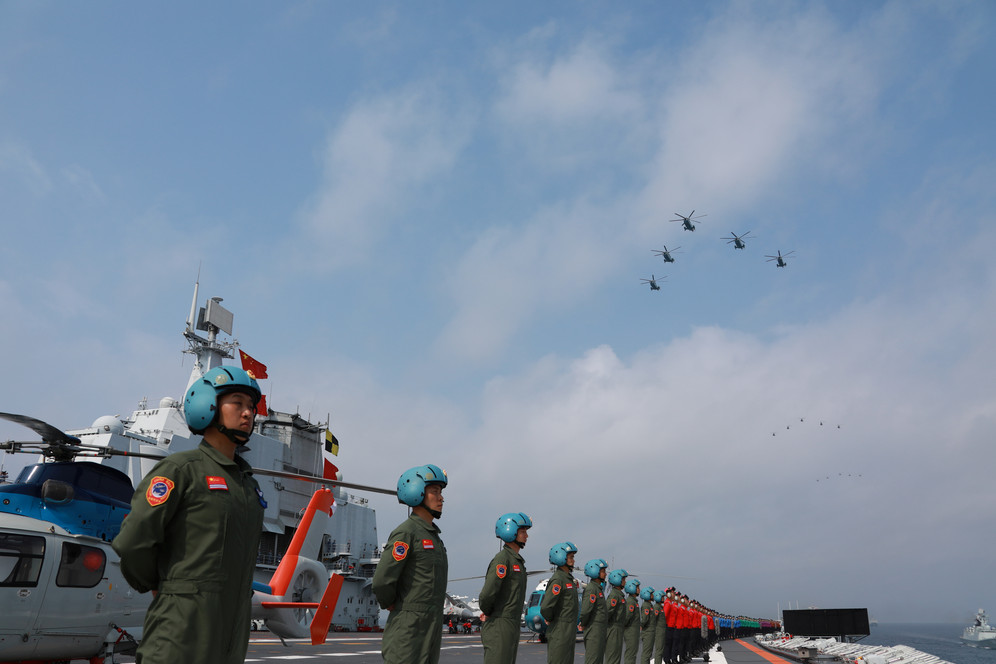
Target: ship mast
{"x": 210, "y": 351}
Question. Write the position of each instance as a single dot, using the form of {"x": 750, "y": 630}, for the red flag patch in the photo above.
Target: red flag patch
{"x": 427, "y": 544}
{"x": 216, "y": 483}
{"x": 515, "y": 568}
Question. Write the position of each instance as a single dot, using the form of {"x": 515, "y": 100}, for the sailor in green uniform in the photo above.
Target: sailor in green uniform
{"x": 193, "y": 531}
{"x": 505, "y": 590}
{"x": 594, "y": 614}
{"x": 617, "y": 617}
{"x": 559, "y": 606}
{"x": 648, "y": 624}
{"x": 410, "y": 581}
{"x": 631, "y": 631}
{"x": 660, "y": 654}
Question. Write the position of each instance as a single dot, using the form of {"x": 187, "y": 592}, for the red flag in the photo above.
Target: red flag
{"x": 261, "y": 408}
{"x": 331, "y": 472}
{"x": 253, "y": 367}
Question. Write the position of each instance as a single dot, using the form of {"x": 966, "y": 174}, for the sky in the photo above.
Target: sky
{"x": 431, "y": 221}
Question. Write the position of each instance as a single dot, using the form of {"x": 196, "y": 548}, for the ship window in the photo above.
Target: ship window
{"x": 81, "y": 566}
{"x": 20, "y": 559}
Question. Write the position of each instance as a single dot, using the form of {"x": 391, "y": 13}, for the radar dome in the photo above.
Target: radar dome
{"x": 109, "y": 424}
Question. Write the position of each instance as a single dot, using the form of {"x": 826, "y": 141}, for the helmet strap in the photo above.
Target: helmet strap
{"x": 237, "y": 436}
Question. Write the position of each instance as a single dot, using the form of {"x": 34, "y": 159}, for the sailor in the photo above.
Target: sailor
{"x": 672, "y": 633}
{"x": 411, "y": 581}
{"x": 648, "y": 624}
{"x": 660, "y": 652}
{"x": 594, "y": 613}
{"x": 617, "y": 617}
{"x": 200, "y": 574}
{"x": 559, "y": 606}
{"x": 505, "y": 590}
{"x": 631, "y": 630}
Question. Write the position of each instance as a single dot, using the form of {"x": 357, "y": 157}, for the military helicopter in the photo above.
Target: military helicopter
{"x": 737, "y": 240}
{"x": 61, "y": 583}
{"x": 688, "y": 223}
{"x": 665, "y": 254}
{"x": 653, "y": 282}
{"x": 61, "y": 587}
{"x": 780, "y": 258}
{"x": 533, "y": 619}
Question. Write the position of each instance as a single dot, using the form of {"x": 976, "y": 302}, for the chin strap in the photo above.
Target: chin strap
{"x": 237, "y": 436}
{"x": 435, "y": 513}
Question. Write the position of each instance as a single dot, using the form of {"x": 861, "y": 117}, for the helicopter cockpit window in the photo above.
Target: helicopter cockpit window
{"x": 21, "y": 559}
{"x": 81, "y": 567}
{"x": 535, "y": 599}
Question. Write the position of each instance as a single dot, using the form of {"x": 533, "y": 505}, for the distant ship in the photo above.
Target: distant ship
{"x": 981, "y": 634}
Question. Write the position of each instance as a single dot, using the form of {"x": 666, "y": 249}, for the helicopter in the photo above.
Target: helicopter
{"x": 688, "y": 223}
{"x": 653, "y": 282}
{"x": 780, "y": 258}
{"x": 62, "y": 581}
{"x": 533, "y": 619}
{"x": 737, "y": 240}
{"x": 665, "y": 254}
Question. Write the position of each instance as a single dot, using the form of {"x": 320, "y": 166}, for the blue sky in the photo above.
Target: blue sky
{"x": 431, "y": 221}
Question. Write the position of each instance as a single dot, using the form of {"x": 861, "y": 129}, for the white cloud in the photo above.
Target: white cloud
{"x": 374, "y": 164}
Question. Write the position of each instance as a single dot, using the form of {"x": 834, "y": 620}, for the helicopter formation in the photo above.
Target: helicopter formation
{"x": 688, "y": 223}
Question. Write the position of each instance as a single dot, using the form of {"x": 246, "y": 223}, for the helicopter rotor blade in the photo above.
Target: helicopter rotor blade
{"x": 323, "y": 480}
{"x": 58, "y": 444}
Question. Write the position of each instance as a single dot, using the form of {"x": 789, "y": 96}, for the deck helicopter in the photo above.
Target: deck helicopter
{"x": 61, "y": 585}
{"x": 737, "y": 240}
{"x": 653, "y": 282}
{"x": 666, "y": 254}
{"x": 688, "y": 223}
{"x": 780, "y": 258}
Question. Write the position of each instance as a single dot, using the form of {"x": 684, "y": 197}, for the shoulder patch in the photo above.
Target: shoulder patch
{"x": 555, "y": 590}
{"x": 501, "y": 570}
{"x": 632, "y": 607}
{"x": 592, "y": 597}
{"x": 646, "y": 612}
{"x": 613, "y": 601}
{"x": 159, "y": 490}
{"x": 400, "y": 551}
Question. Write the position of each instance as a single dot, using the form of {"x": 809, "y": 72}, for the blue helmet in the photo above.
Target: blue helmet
{"x": 647, "y": 593}
{"x": 659, "y": 596}
{"x": 593, "y": 568}
{"x": 507, "y": 527}
{"x": 412, "y": 483}
{"x": 200, "y": 405}
{"x": 558, "y": 553}
{"x": 617, "y": 576}
{"x": 632, "y": 586}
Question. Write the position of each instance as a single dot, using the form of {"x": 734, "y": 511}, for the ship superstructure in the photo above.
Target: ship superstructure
{"x": 285, "y": 442}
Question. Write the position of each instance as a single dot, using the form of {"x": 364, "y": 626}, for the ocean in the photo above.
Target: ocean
{"x": 939, "y": 639}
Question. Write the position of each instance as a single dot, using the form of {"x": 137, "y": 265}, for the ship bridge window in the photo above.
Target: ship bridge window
{"x": 20, "y": 559}
{"x": 81, "y": 567}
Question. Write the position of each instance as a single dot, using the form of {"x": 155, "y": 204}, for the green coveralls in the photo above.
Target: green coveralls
{"x": 617, "y": 622}
{"x": 631, "y": 632}
{"x": 192, "y": 535}
{"x": 648, "y": 628}
{"x": 595, "y": 621}
{"x": 659, "y": 653}
{"x": 501, "y": 601}
{"x": 411, "y": 577}
{"x": 559, "y": 607}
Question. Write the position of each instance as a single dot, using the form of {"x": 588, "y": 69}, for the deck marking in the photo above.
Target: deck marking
{"x": 763, "y": 653}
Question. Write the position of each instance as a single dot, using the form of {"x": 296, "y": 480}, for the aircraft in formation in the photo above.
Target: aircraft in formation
{"x": 653, "y": 282}
{"x": 738, "y": 241}
{"x": 61, "y": 586}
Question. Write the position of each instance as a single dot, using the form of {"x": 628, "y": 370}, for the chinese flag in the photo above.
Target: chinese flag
{"x": 261, "y": 408}
{"x": 253, "y": 367}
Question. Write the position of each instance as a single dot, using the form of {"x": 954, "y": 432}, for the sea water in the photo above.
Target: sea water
{"x": 941, "y": 639}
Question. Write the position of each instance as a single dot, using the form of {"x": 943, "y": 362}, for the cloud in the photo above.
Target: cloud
{"x": 19, "y": 162}
{"x": 375, "y": 165}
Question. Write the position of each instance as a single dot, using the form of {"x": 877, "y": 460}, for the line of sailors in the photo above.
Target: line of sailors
{"x": 670, "y": 626}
